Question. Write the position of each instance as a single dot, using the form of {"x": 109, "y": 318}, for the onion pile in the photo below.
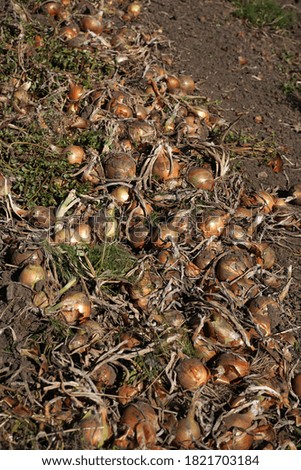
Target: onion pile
{"x": 155, "y": 274}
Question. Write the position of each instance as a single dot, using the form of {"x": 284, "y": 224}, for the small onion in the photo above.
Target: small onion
{"x": 28, "y": 256}
{"x": 236, "y": 440}
{"x": 105, "y": 376}
{"x": 201, "y": 178}
{"x": 121, "y": 194}
{"x": 122, "y": 111}
{"x": 296, "y": 384}
{"x": 126, "y": 393}
{"x": 172, "y": 83}
{"x": 188, "y": 432}
{"x": 233, "y": 367}
{"x": 164, "y": 236}
{"x": 31, "y": 275}
{"x": 95, "y": 429}
{"x": 138, "y": 235}
{"x": 204, "y": 257}
{"x": 120, "y": 166}
{"x": 203, "y": 348}
{"x": 232, "y": 265}
{"x": 41, "y": 217}
{"x": 75, "y": 306}
{"x": 214, "y": 223}
{"x": 134, "y": 9}
{"x": 90, "y": 23}
{"x": 141, "y": 423}
{"x": 76, "y": 91}
{"x": 192, "y": 374}
{"x": 75, "y": 154}
{"x": 187, "y": 84}
{"x": 165, "y": 168}
{"x": 52, "y": 8}
{"x": 69, "y": 31}
{"x": 218, "y": 329}
{"x": 78, "y": 122}
{"x": 40, "y": 300}
{"x": 141, "y": 132}
{"x": 141, "y": 112}
{"x": 265, "y": 199}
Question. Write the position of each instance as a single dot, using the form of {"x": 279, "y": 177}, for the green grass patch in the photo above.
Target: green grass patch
{"x": 264, "y": 13}
{"x": 104, "y": 260}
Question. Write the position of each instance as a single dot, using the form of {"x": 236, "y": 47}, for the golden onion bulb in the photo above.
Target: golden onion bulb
{"x": 201, "y": 178}
{"x": 31, "y": 275}
{"x": 75, "y": 306}
{"x": 192, "y": 374}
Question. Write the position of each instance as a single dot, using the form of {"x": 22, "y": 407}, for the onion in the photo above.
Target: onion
{"x": 52, "y": 8}
{"x": 69, "y": 32}
{"x": 192, "y": 374}
{"x": 104, "y": 376}
{"x": 75, "y": 154}
{"x": 203, "y": 348}
{"x": 78, "y": 122}
{"x": 75, "y": 306}
{"x": 90, "y": 23}
{"x": 265, "y": 199}
{"x": 95, "y": 429}
{"x": 218, "y": 329}
{"x": 40, "y": 300}
{"x": 187, "y": 433}
{"x": 236, "y": 440}
{"x": 214, "y": 223}
{"x": 164, "y": 236}
{"x": 141, "y": 423}
{"x": 81, "y": 234}
{"x": 239, "y": 420}
{"x": 31, "y": 275}
{"x": 165, "y": 168}
{"x": 296, "y": 384}
{"x": 204, "y": 257}
{"x": 141, "y": 112}
{"x": 172, "y": 83}
{"x": 167, "y": 258}
{"x": 126, "y": 393}
{"x": 41, "y": 217}
{"x": 76, "y": 91}
{"x": 266, "y": 254}
{"x": 141, "y": 132}
{"x": 138, "y": 235}
{"x": 187, "y": 84}
{"x": 121, "y": 194}
{"x": 122, "y": 111}
{"x": 134, "y": 9}
{"x": 231, "y": 368}
{"x": 28, "y": 256}
{"x": 191, "y": 270}
{"x": 232, "y": 265}
{"x": 201, "y": 178}
{"x": 120, "y": 166}
{"x": 143, "y": 287}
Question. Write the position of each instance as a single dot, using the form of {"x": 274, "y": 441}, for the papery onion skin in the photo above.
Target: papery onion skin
{"x": 192, "y": 374}
{"x": 201, "y": 178}
{"x": 188, "y": 432}
{"x": 31, "y": 275}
